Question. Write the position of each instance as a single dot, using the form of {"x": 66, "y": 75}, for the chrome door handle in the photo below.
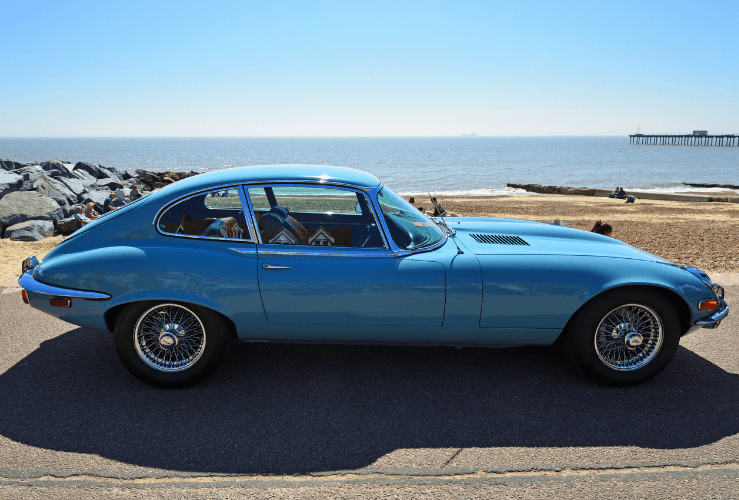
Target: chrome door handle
{"x": 267, "y": 266}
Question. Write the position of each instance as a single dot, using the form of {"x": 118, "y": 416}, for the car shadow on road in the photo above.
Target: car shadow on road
{"x": 292, "y": 409}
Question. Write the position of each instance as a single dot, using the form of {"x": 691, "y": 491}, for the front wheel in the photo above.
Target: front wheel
{"x": 625, "y": 337}
{"x": 170, "y": 344}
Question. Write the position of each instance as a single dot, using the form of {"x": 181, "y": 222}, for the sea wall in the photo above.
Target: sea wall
{"x": 604, "y": 193}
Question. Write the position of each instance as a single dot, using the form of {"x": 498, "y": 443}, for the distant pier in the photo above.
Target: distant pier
{"x": 694, "y": 139}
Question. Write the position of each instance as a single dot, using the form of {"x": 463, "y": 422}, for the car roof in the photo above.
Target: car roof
{"x": 321, "y": 174}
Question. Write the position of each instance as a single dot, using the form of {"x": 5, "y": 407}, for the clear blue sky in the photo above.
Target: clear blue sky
{"x": 273, "y": 68}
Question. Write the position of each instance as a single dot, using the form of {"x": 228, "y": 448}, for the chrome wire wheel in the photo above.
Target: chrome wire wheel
{"x": 629, "y": 337}
{"x": 169, "y": 338}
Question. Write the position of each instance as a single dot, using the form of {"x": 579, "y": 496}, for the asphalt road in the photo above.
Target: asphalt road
{"x": 372, "y": 422}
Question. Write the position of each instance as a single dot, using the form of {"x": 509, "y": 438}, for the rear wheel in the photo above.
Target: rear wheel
{"x": 624, "y": 337}
{"x": 170, "y": 344}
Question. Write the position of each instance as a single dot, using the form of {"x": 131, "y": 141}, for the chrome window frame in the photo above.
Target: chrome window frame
{"x": 371, "y": 193}
{"x": 310, "y": 249}
{"x": 247, "y": 214}
{"x": 401, "y": 252}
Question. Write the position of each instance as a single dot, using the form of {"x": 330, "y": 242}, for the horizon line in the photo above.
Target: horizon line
{"x": 296, "y": 136}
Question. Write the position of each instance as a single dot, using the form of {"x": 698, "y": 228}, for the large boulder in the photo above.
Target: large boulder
{"x": 21, "y": 206}
{"x": 11, "y": 164}
{"x": 56, "y": 168}
{"x": 128, "y": 174}
{"x": 66, "y": 225}
{"x": 85, "y": 177}
{"x": 91, "y": 168}
{"x": 56, "y": 191}
{"x": 32, "y": 230}
{"x": 107, "y": 183}
{"x": 97, "y": 197}
{"x": 9, "y": 182}
{"x": 75, "y": 186}
{"x": 30, "y": 175}
{"x": 111, "y": 173}
{"x": 147, "y": 178}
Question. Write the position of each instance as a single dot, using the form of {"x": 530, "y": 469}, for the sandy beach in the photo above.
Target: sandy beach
{"x": 704, "y": 235}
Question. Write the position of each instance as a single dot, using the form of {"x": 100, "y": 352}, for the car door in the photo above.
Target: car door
{"x": 323, "y": 260}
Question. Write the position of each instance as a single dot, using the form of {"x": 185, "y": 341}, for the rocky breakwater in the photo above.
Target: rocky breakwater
{"x": 39, "y": 200}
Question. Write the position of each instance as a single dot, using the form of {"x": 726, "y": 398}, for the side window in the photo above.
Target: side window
{"x": 217, "y": 214}
{"x": 315, "y": 216}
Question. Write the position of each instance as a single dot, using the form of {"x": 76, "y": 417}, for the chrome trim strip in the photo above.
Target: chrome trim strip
{"x": 258, "y": 183}
{"x": 296, "y": 251}
{"x": 249, "y": 214}
{"x": 26, "y": 281}
{"x": 316, "y": 183}
{"x": 252, "y": 214}
{"x": 206, "y": 238}
{"x": 247, "y": 251}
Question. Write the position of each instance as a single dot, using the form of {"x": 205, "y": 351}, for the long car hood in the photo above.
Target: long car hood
{"x": 510, "y": 236}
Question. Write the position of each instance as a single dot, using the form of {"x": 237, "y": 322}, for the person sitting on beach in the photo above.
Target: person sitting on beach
{"x": 134, "y": 194}
{"x": 614, "y": 194}
{"x": 621, "y": 194}
{"x": 601, "y": 228}
{"x": 108, "y": 203}
{"x": 80, "y": 217}
{"x": 120, "y": 194}
{"x": 90, "y": 212}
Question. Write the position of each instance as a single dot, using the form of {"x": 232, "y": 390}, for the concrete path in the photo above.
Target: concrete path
{"x": 369, "y": 422}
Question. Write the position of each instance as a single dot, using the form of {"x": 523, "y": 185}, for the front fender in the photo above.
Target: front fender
{"x": 545, "y": 291}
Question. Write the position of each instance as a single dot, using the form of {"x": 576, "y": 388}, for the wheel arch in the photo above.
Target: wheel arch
{"x": 112, "y": 314}
{"x": 680, "y": 305}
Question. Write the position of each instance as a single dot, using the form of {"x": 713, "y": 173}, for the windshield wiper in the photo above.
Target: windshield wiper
{"x": 451, "y": 232}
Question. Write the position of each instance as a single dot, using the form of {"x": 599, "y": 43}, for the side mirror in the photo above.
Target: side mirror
{"x": 358, "y": 208}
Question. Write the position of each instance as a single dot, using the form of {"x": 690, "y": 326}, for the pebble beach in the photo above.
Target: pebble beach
{"x": 704, "y": 235}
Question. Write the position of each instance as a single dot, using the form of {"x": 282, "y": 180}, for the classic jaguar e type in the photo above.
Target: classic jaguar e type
{"x": 320, "y": 254}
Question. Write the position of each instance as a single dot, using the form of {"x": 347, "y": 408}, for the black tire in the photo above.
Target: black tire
{"x": 607, "y": 351}
{"x": 209, "y": 330}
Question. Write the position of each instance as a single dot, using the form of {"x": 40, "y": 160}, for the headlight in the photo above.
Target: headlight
{"x": 718, "y": 290}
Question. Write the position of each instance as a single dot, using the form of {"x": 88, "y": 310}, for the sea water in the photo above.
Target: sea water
{"x": 415, "y": 165}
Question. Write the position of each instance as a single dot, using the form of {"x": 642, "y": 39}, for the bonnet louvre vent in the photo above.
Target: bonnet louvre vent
{"x": 498, "y": 239}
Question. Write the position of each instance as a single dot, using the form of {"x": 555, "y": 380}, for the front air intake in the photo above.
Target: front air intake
{"x": 498, "y": 239}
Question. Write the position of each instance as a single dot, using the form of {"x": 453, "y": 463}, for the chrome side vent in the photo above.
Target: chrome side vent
{"x": 498, "y": 239}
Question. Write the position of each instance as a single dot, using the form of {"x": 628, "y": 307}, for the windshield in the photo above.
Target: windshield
{"x": 410, "y": 228}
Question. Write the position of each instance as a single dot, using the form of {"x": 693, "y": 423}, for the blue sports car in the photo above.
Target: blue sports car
{"x": 320, "y": 254}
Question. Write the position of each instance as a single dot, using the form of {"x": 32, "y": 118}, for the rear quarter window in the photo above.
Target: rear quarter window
{"x": 216, "y": 214}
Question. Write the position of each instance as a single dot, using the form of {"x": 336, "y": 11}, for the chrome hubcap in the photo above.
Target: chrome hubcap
{"x": 629, "y": 337}
{"x": 169, "y": 338}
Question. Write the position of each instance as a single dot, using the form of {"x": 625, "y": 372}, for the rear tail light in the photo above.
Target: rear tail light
{"x": 25, "y": 296}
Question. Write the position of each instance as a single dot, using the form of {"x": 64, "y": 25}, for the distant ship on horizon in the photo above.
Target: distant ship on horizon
{"x": 470, "y": 135}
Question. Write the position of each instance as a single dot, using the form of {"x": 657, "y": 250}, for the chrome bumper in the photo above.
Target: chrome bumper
{"x": 714, "y": 320}
{"x": 26, "y": 281}
{"x": 710, "y": 322}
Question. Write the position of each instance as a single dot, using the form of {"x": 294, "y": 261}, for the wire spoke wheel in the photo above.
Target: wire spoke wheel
{"x": 629, "y": 337}
{"x": 169, "y": 338}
